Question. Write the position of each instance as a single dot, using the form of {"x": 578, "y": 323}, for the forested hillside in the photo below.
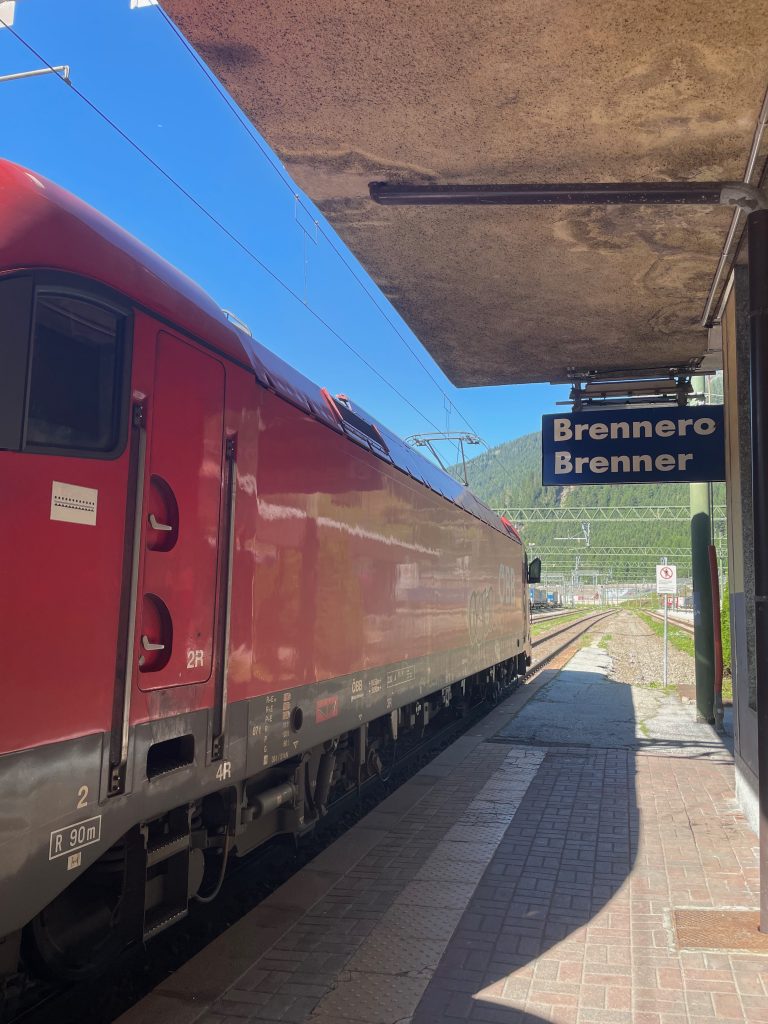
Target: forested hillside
{"x": 511, "y": 475}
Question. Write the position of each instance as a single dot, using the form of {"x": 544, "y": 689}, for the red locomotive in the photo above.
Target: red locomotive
{"x": 224, "y": 591}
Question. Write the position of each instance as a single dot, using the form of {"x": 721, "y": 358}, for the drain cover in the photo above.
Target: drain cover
{"x": 720, "y": 929}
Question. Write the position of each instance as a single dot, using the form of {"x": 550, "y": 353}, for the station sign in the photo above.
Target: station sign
{"x": 634, "y": 446}
{"x": 666, "y": 579}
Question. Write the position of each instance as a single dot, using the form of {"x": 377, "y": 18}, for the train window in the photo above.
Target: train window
{"x": 74, "y": 382}
{"x": 15, "y": 314}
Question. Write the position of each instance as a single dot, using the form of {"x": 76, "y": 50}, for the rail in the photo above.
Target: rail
{"x": 677, "y": 623}
{"x": 564, "y": 629}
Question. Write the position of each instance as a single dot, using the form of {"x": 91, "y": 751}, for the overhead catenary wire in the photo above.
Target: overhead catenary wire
{"x": 222, "y": 227}
{"x": 290, "y": 186}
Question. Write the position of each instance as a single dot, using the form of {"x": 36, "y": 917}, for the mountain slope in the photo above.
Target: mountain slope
{"x": 510, "y": 474}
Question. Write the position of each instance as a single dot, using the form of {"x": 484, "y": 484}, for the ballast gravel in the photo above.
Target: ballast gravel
{"x": 609, "y": 695}
{"x": 637, "y": 654}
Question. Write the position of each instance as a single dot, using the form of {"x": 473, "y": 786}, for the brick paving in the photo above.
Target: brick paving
{"x": 573, "y": 915}
{"x": 509, "y": 882}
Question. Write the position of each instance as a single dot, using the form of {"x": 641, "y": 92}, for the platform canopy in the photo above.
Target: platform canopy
{"x": 492, "y": 91}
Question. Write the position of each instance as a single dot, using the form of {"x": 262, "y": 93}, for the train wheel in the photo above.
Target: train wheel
{"x": 79, "y": 934}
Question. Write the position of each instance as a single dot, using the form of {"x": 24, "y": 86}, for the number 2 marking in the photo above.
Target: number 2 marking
{"x": 83, "y": 796}
{"x": 195, "y": 659}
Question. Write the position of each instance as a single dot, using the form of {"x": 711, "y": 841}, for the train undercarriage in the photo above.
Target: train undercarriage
{"x": 145, "y": 882}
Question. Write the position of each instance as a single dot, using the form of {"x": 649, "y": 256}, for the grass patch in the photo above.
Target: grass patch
{"x": 644, "y": 730}
{"x": 683, "y": 642}
{"x": 638, "y": 603}
{"x": 728, "y": 688}
{"x": 604, "y": 640}
{"x": 670, "y": 689}
{"x": 678, "y": 638}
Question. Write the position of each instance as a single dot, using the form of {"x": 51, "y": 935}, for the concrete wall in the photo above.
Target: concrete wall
{"x": 739, "y": 504}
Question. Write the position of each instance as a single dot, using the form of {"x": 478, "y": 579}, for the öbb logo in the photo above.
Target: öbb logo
{"x": 506, "y": 584}
{"x": 480, "y": 615}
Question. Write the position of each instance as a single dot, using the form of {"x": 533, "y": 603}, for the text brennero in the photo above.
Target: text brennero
{"x": 645, "y": 445}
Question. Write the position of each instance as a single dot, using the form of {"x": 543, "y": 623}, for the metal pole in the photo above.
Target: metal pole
{"x": 757, "y": 234}
{"x": 62, "y": 70}
{"x": 697, "y": 193}
{"x": 703, "y": 636}
{"x": 666, "y": 648}
{"x": 718, "y": 634}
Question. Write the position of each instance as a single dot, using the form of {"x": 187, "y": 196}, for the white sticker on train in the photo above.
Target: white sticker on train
{"x": 74, "y": 837}
{"x": 73, "y": 504}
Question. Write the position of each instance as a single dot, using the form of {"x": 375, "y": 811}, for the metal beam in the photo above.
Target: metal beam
{"x": 610, "y": 551}
{"x": 603, "y": 514}
{"x": 571, "y": 565}
{"x": 696, "y": 193}
{"x": 62, "y": 70}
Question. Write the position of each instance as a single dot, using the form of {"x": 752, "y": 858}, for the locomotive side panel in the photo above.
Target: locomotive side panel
{"x": 356, "y": 591}
{"x": 214, "y": 590}
{"x": 499, "y": 583}
{"x": 344, "y": 564}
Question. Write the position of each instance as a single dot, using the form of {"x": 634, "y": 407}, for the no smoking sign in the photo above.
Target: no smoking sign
{"x": 666, "y": 579}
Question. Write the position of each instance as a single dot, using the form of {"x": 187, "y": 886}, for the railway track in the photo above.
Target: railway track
{"x": 677, "y": 623}
{"x": 253, "y": 878}
{"x": 543, "y": 616}
{"x": 596, "y": 616}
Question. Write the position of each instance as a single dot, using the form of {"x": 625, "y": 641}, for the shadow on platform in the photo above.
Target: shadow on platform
{"x": 566, "y": 855}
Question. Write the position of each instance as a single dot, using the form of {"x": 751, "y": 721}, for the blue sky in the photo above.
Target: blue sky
{"x": 297, "y": 296}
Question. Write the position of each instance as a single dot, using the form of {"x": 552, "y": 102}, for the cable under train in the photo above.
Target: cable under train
{"x": 225, "y": 592}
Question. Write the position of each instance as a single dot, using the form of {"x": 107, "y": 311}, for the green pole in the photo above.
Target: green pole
{"x": 704, "y": 639}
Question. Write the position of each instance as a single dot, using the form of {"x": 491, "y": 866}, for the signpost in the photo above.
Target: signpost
{"x": 666, "y": 583}
{"x": 633, "y": 446}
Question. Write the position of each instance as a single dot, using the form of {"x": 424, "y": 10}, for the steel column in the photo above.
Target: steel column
{"x": 757, "y": 233}
{"x": 704, "y": 641}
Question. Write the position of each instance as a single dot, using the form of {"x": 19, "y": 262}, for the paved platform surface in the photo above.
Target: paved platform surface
{"x": 530, "y": 873}
{"x": 584, "y": 707}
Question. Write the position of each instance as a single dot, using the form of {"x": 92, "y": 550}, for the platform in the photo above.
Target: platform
{"x": 543, "y": 868}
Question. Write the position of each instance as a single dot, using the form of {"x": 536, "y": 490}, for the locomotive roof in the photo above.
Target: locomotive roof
{"x": 43, "y": 225}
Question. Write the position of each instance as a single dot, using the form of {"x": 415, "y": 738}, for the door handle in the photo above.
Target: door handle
{"x": 156, "y": 525}
{"x": 145, "y": 643}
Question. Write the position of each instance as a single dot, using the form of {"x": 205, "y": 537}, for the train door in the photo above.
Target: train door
{"x": 176, "y": 608}
{"x": 63, "y": 475}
